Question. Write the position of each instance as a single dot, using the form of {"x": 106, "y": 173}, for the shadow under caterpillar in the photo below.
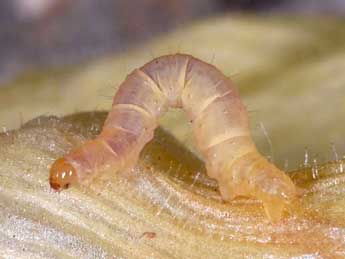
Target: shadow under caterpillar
{"x": 220, "y": 126}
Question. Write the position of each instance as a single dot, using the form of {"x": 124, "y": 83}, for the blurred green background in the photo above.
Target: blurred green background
{"x": 287, "y": 58}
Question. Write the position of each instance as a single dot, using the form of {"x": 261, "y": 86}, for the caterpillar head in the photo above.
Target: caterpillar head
{"x": 62, "y": 175}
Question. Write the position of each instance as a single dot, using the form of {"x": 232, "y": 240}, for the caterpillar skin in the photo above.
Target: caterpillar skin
{"x": 219, "y": 123}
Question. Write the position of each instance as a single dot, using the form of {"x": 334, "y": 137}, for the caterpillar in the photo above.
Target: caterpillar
{"x": 219, "y": 123}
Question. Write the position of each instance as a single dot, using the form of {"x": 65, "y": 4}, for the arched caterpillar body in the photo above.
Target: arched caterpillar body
{"x": 219, "y": 122}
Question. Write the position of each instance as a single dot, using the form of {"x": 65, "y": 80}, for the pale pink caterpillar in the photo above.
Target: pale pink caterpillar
{"x": 219, "y": 122}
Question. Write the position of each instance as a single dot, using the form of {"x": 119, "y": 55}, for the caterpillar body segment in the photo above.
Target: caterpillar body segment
{"x": 219, "y": 123}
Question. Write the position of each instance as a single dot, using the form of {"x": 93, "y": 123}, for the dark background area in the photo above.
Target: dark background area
{"x": 37, "y": 33}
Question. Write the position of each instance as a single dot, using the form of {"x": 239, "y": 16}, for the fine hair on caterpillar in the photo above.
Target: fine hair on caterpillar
{"x": 219, "y": 123}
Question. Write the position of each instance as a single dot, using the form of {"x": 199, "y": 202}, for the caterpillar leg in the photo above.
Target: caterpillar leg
{"x": 253, "y": 176}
